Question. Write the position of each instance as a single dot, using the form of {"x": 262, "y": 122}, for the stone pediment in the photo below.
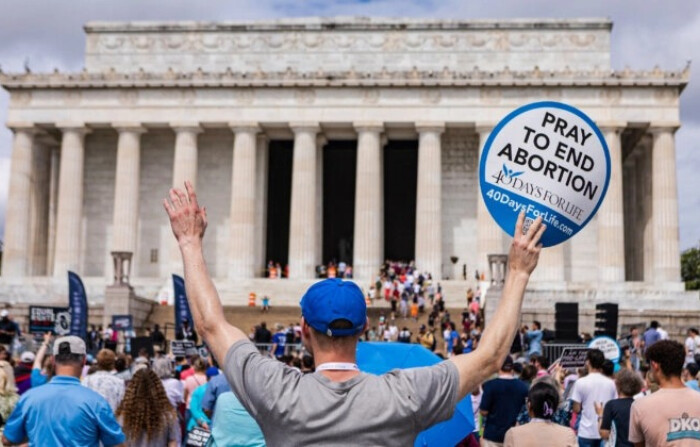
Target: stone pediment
{"x": 338, "y": 44}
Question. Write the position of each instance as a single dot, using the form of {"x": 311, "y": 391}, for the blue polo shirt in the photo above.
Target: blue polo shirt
{"x": 63, "y": 413}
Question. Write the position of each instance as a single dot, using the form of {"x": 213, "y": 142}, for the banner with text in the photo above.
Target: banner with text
{"x": 77, "y": 303}
{"x": 49, "y": 319}
{"x": 182, "y": 308}
{"x": 548, "y": 159}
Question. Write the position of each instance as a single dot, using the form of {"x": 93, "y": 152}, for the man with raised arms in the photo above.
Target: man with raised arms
{"x": 339, "y": 405}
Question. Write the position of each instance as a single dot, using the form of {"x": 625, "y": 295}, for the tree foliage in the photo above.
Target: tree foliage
{"x": 690, "y": 268}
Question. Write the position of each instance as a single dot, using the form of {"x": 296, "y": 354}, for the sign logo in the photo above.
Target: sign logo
{"x": 548, "y": 159}
{"x": 611, "y": 350}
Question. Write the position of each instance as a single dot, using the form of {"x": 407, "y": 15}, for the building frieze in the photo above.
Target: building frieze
{"x": 348, "y": 78}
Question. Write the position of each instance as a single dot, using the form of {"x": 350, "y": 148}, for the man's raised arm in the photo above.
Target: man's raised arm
{"x": 188, "y": 222}
{"x": 498, "y": 336}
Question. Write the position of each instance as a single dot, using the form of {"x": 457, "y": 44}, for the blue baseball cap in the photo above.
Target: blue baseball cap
{"x": 332, "y": 300}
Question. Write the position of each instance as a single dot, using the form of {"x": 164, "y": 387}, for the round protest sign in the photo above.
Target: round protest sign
{"x": 548, "y": 159}
{"x": 610, "y": 348}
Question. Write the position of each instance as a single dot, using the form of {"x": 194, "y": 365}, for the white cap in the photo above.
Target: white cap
{"x": 4, "y": 313}
{"x": 27, "y": 357}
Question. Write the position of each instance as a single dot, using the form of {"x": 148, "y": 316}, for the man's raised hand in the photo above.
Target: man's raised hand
{"x": 187, "y": 220}
{"x": 525, "y": 250}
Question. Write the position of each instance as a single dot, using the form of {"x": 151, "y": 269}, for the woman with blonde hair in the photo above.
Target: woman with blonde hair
{"x": 8, "y": 392}
{"x": 146, "y": 416}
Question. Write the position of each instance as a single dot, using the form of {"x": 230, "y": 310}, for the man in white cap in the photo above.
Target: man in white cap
{"x": 339, "y": 405}
{"x": 63, "y": 412}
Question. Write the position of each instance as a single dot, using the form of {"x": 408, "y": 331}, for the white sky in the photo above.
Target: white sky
{"x": 48, "y": 34}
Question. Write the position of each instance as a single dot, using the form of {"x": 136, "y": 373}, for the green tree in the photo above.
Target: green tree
{"x": 690, "y": 268}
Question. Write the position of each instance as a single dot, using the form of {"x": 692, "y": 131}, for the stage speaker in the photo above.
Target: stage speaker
{"x": 566, "y": 321}
{"x": 606, "y": 320}
{"x": 137, "y": 343}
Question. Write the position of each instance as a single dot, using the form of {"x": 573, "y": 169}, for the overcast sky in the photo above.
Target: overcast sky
{"x": 49, "y": 34}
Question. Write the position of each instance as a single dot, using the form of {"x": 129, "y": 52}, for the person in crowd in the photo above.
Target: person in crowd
{"x": 63, "y": 412}
{"x": 690, "y": 376}
{"x": 231, "y": 424}
{"x": 262, "y": 334}
{"x": 608, "y": 369}
{"x": 426, "y": 338}
{"x": 500, "y": 404}
{"x": 671, "y": 415}
{"x": 529, "y": 373}
{"x": 534, "y": 338}
{"x": 651, "y": 335}
{"x": 334, "y": 316}
{"x": 404, "y": 335}
{"x": 8, "y": 392}
{"x": 197, "y": 416}
{"x": 103, "y": 380}
{"x": 145, "y": 415}
{"x": 8, "y": 330}
{"x": 173, "y": 387}
{"x": 93, "y": 340}
{"x": 23, "y": 371}
{"x": 187, "y": 332}
{"x": 541, "y": 364}
{"x": 476, "y": 403}
{"x": 198, "y": 378}
{"x": 634, "y": 342}
{"x": 121, "y": 366}
{"x": 614, "y": 417}
{"x": 307, "y": 364}
{"x": 587, "y": 391}
{"x": 42, "y": 370}
{"x": 279, "y": 340}
{"x": 692, "y": 345}
{"x": 158, "y": 338}
{"x": 542, "y": 403}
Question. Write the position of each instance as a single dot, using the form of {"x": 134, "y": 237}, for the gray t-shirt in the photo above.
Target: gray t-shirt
{"x": 309, "y": 409}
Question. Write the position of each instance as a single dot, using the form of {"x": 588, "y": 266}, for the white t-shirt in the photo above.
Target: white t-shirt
{"x": 588, "y": 390}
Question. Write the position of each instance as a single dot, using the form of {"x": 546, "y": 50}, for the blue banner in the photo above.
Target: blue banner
{"x": 182, "y": 308}
{"x": 77, "y": 303}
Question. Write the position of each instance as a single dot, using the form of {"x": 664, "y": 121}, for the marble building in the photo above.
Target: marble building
{"x": 313, "y": 140}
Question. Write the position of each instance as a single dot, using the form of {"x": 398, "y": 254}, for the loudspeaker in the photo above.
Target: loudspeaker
{"x": 138, "y": 343}
{"x": 606, "y": 319}
{"x": 566, "y": 321}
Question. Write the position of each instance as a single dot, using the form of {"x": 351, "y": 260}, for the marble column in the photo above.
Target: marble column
{"x": 321, "y": 142}
{"x": 489, "y": 234}
{"x": 368, "y": 239}
{"x": 17, "y": 231}
{"x": 53, "y": 207}
{"x": 242, "y": 221}
{"x": 611, "y": 233}
{"x": 261, "y": 182}
{"x": 125, "y": 216}
{"x": 185, "y": 163}
{"x": 303, "y": 237}
{"x": 70, "y": 199}
{"x": 184, "y": 168}
{"x": 646, "y": 213}
{"x": 429, "y": 199}
{"x": 665, "y": 204}
{"x": 39, "y": 207}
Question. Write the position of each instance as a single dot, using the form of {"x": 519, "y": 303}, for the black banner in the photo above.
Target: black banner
{"x": 49, "y": 319}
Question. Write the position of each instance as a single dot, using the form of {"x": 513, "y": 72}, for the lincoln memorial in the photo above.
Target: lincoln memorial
{"x": 318, "y": 140}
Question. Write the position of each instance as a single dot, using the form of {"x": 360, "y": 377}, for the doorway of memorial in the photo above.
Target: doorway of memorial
{"x": 339, "y": 168}
{"x": 279, "y": 197}
{"x": 400, "y": 183}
